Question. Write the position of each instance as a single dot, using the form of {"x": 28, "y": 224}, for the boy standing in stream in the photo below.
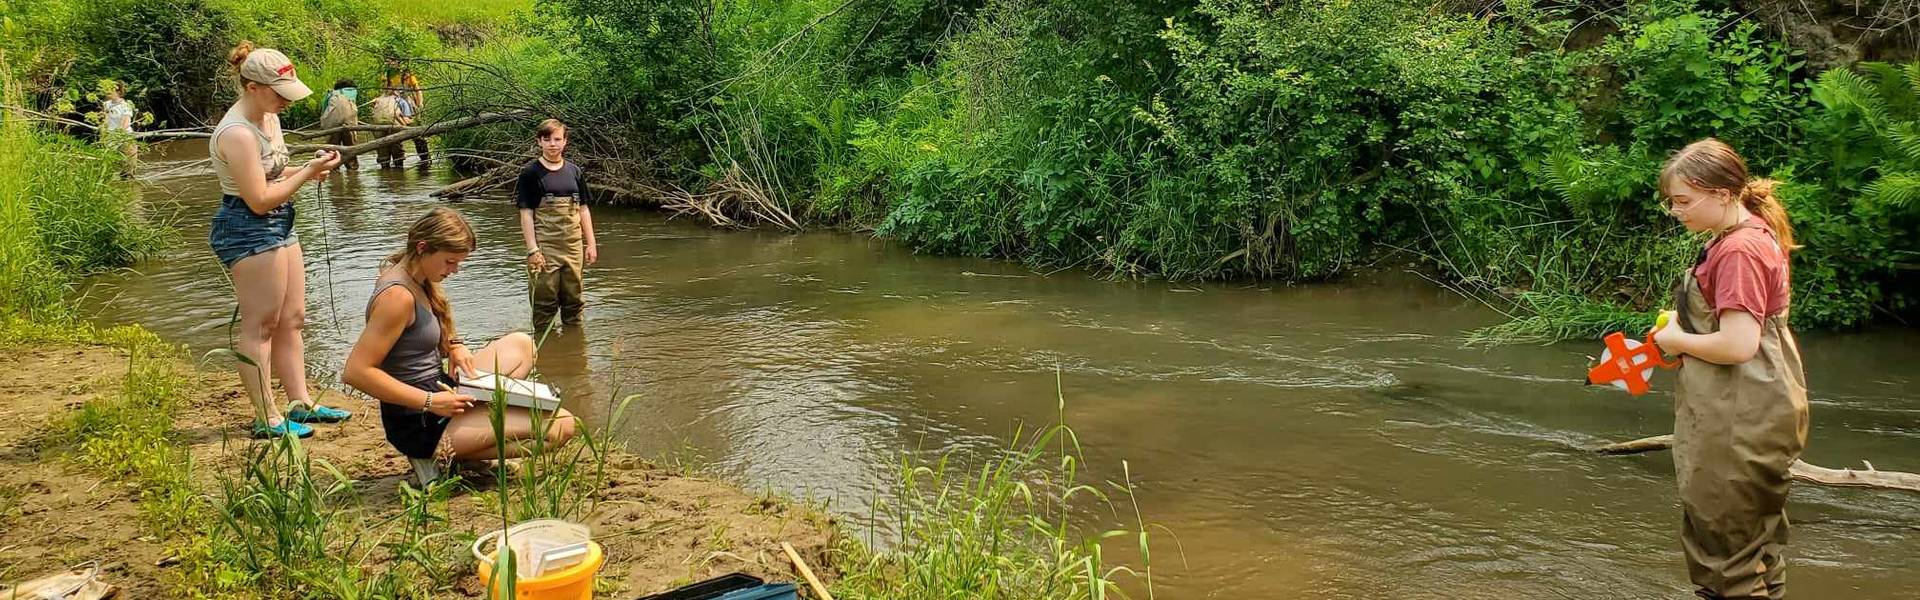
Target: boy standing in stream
{"x": 557, "y": 228}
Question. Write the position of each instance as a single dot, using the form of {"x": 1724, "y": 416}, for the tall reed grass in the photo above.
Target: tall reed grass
{"x": 1009, "y": 529}
{"x": 65, "y": 211}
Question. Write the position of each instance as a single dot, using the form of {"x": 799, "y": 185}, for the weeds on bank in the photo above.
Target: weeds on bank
{"x": 290, "y": 524}
{"x": 125, "y": 434}
{"x": 65, "y": 211}
{"x": 1006, "y": 530}
{"x": 1552, "y": 317}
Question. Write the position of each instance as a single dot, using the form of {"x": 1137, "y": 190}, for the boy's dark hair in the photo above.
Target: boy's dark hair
{"x": 343, "y": 84}
{"x": 550, "y": 127}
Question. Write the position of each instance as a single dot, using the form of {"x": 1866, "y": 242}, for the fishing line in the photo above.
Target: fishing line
{"x": 321, "y": 197}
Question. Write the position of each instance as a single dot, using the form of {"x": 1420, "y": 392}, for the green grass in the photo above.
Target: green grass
{"x": 1005, "y": 530}
{"x": 460, "y": 11}
{"x": 65, "y": 212}
{"x": 1545, "y": 318}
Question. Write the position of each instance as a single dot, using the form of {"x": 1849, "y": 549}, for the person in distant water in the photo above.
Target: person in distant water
{"x": 341, "y": 108}
{"x": 1740, "y": 409}
{"x": 410, "y": 331}
{"x": 116, "y": 127}
{"x": 556, "y": 227}
{"x": 392, "y": 108}
{"x": 253, "y": 236}
{"x": 400, "y": 77}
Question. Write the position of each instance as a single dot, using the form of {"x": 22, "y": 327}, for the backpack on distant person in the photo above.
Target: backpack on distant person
{"x": 386, "y": 110}
{"x": 339, "y": 111}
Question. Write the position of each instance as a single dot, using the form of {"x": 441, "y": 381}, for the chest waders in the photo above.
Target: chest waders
{"x": 1736, "y": 431}
{"x": 557, "y": 287}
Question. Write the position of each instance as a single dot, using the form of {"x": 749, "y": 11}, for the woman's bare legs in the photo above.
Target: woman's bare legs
{"x": 470, "y": 434}
{"x": 289, "y": 345}
{"x": 260, "y": 286}
{"x": 511, "y": 355}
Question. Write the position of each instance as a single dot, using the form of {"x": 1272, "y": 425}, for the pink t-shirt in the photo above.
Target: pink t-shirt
{"x": 1745, "y": 270}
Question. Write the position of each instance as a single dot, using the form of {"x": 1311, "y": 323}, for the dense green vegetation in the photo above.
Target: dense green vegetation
{"x": 64, "y": 213}
{"x": 1512, "y": 149}
{"x": 284, "y": 524}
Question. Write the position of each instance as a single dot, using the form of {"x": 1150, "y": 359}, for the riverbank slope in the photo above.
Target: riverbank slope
{"x": 67, "y": 496}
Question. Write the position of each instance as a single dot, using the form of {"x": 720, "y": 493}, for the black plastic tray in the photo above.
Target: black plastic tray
{"x": 710, "y": 589}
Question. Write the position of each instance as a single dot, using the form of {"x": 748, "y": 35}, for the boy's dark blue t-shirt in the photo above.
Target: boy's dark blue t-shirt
{"x": 537, "y": 182}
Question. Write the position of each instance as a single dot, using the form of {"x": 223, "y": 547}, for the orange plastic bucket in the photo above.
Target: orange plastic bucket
{"x": 571, "y": 583}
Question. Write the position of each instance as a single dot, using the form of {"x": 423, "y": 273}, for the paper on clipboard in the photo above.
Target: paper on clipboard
{"x": 519, "y": 392}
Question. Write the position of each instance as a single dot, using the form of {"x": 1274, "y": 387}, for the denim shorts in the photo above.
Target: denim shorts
{"x": 238, "y": 233}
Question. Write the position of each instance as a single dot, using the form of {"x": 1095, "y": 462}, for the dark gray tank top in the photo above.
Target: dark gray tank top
{"x": 415, "y": 357}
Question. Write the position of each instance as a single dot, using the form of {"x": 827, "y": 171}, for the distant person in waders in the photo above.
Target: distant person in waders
{"x": 253, "y": 236}
{"x": 557, "y": 228}
{"x": 413, "y": 102}
{"x": 341, "y": 108}
{"x": 391, "y": 108}
{"x": 1740, "y": 408}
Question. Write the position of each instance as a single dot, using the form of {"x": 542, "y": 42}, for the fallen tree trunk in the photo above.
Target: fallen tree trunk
{"x": 333, "y": 130}
{"x": 410, "y": 133}
{"x": 396, "y": 133}
{"x": 506, "y": 172}
{"x": 203, "y": 133}
{"x": 1801, "y": 470}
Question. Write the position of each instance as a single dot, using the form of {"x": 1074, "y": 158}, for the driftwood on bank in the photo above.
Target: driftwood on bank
{"x": 1801, "y": 470}
{"x": 730, "y": 200}
{"x": 493, "y": 178}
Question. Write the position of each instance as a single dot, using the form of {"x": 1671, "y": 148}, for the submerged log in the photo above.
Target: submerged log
{"x": 1801, "y": 470}
{"x": 1645, "y": 444}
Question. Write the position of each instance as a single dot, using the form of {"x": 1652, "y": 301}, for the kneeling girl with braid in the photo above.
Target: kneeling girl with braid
{"x": 398, "y": 357}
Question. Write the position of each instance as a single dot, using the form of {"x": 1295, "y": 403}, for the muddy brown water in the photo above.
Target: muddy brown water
{"x": 1310, "y": 441}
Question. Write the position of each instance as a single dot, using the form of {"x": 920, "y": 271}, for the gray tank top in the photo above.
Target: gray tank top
{"x": 415, "y": 357}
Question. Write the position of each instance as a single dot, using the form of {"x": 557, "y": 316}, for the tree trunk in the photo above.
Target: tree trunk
{"x": 1801, "y": 470}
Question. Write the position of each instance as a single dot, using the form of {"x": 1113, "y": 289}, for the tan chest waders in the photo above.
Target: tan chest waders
{"x": 557, "y": 287}
{"x": 1736, "y": 431}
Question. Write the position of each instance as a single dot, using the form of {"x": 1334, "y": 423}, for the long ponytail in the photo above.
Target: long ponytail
{"x": 440, "y": 230}
{"x": 1758, "y": 197}
{"x": 1712, "y": 164}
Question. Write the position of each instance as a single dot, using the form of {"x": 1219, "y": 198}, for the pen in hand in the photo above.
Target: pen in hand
{"x": 444, "y": 388}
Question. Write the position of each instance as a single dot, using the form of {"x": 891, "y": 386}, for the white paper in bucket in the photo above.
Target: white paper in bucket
{"x": 539, "y": 546}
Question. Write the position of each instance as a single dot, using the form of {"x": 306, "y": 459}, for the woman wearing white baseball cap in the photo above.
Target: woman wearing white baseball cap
{"x": 253, "y": 236}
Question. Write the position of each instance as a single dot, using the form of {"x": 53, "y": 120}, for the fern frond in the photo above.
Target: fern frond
{"x": 1893, "y": 88}
{"x": 1562, "y": 172}
{"x": 1913, "y": 78}
{"x": 1842, "y": 90}
{"x": 1900, "y": 190}
{"x": 1906, "y": 138}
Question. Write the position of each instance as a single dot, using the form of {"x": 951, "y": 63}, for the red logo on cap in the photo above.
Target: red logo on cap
{"x": 284, "y": 69}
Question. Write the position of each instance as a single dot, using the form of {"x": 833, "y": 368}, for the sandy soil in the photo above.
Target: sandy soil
{"x": 659, "y": 528}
